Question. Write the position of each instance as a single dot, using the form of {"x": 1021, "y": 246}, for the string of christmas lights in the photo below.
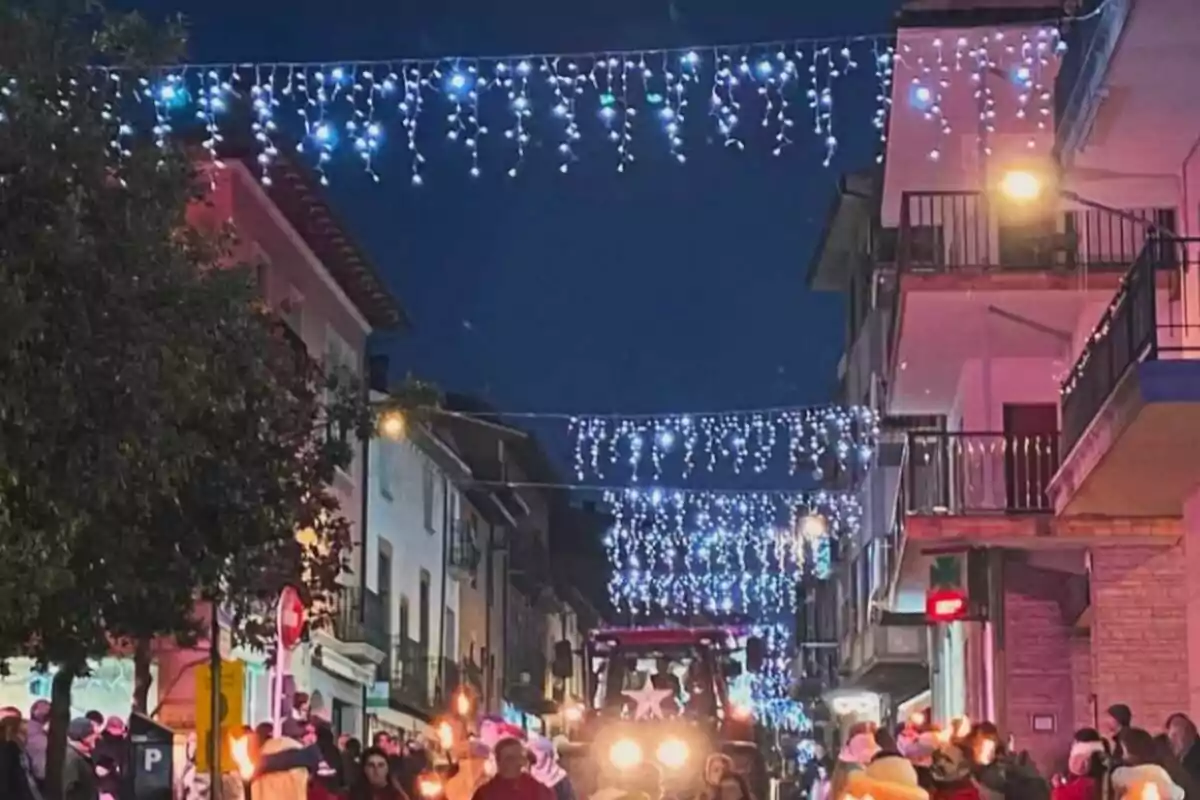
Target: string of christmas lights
{"x": 495, "y": 113}
{"x": 821, "y": 439}
{"x": 693, "y": 552}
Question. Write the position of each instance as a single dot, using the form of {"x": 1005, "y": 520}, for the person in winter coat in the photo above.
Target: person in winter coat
{"x": 511, "y": 781}
{"x": 79, "y": 772}
{"x": 887, "y": 777}
{"x": 1116, "y": 720}
{"x": 39, "y": 722}
{"x": 1185, "y": 744}
{"x": 857, "y": 753}
{"x": 951, "y": 772}
{"x": 16, "y": 776}
{"x": 546, "y": 769}
{"x": 1087, "y": 768}
{"x": 375, "y": 778}
{"x": 1142, "y": 767}
{"x": 279, "y": 778}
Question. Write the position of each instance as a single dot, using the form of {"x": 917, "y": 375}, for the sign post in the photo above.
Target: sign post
{"x": 290, "y": 617}
{"x": 945, "y": 600}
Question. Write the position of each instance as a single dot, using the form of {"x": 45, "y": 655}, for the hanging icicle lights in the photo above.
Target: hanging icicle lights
{"x": 812, "y": 439}
{"x": 498, "y": 112}
{"x": 693, "y": 552}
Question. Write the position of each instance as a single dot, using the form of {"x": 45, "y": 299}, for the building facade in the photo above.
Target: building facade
{"x": 416, "y": 517}
{"x": 330, "y": 298}
{"x": 1031, "y": 354}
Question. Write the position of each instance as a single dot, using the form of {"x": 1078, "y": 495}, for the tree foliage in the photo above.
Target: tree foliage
{"x": 162, "y": 440}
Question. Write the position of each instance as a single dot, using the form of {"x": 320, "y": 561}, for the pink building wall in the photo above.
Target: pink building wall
{"x": 293, "y": 273}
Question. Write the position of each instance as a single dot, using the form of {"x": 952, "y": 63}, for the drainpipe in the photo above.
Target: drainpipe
{"x": 489, "y": 588}
{"x": 441, "y": 657}
{"x": 365, "y": 488}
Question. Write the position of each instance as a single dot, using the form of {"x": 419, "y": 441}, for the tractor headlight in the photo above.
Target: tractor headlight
{"x": 673, "y": 753}
{"x": 625, "y": 754}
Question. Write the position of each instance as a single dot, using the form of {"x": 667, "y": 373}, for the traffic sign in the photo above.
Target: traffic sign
{"x": 229, "y": 710}
{"x": 292, "y": 616}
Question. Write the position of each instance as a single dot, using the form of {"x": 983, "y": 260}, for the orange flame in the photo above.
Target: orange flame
{"x": 985, "y": 751}
{"x": 445, "y": 733}
{"x": 430, "y": 786}
{"x": 240, "y": 748}
{"x": 462, "y": 704}
{"x": 963, "y": 728}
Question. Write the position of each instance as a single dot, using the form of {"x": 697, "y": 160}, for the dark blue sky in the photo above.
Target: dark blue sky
{"x": 669, "y": 288}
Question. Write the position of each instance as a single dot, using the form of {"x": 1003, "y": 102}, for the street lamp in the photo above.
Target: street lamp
{"x": 1021, "y": 185}
{"x": 1024, "y": 187}
{"x": 392, "y": 425}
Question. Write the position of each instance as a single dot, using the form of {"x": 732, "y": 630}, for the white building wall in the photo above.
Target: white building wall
{"x": 411, "y": 508}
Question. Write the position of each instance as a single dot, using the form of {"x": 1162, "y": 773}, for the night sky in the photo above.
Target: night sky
{"x": 671, "y": 288}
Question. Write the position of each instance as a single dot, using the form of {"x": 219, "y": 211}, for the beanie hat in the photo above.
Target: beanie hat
{"x": 80, "y": 729}
{"x": 1121, "y": 713}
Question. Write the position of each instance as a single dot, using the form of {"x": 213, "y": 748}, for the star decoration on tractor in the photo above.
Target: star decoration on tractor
{"x": 649, "y": 701}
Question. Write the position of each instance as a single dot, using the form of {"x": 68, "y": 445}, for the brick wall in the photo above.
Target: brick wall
{"x": 1081, "y": 682}
{"x": 1037, "y": 663}
{"x": 1139, "y": 631}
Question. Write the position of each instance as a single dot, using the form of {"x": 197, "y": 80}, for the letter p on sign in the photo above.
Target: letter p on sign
{"x": 151, "y": 757}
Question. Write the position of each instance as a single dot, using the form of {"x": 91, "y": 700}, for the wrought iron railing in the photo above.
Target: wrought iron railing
{"x": 1133, "y": 329}
{"x": 974, "y": 473}
{"x": 965, "y": 231}
{"x": 409, "y": 681}
{"x": 1090, "y": 42}
{"x": 359, "y": 617}
{"x": 464, "y": 555}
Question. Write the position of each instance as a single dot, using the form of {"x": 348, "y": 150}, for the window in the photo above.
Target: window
{"x": 448, "y": 641}
{"x": 384, "y": 452}
{"x": 402, "y": 629}
{"x": 427, "y": 495}
{"x": 383, "y": 575}
{"x": 340, "y": 360}
{"x": 423, "y": 611}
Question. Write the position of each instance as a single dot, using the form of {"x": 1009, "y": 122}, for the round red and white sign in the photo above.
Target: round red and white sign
{"x": 292, "y": 615}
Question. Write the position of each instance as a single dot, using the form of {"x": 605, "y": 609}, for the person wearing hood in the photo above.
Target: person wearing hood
{"x": 1141, "y": 768}
{"x": 1185, "y": 743}
{"x": 546, "y": 769}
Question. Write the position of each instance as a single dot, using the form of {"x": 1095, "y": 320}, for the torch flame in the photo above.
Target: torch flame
{"x": 1150, "y": 792}
{"x": 963, "y": 729}
{"x": 240, "y": 748}
{"x": 985, "y": 751}
{"x": 462, "y": 704}
{"x": 916, "y": 719}
{"x": 445, "y": 733}
{"x": 430, "y": 786}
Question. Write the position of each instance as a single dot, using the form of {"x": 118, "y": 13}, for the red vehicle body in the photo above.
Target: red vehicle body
{"x": 658, "y": 717}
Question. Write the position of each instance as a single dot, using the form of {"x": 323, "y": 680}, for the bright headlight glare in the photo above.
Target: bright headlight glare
{"x": 672, "y": 753}
{"x": 625, "y": 754}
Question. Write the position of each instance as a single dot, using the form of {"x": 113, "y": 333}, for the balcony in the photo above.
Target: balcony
{"x": 963, "y": 474}
{"x": 1131, "y": 403}
{"x": 1006, "y": 288}
{"x": 1091, "y": 43}
{"x": 890, "y": 658}
{"x": 464, "y": 556}
{"x": 360, "y": 625}
{"x": 409, "y": 677}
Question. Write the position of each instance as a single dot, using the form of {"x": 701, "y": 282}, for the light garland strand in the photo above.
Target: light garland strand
{"x": 699, "y": 552}
{"x": 820, "y": 439}
{"x": 493, "y": 112}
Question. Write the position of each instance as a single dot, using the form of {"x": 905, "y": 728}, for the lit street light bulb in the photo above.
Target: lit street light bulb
{"x": 1021, "y": 186}
{"x": 392, "y": 425}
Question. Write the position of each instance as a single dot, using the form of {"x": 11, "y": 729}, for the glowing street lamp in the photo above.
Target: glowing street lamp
{"x": 1021, "y": 186}
{"x": 392, "y": 425}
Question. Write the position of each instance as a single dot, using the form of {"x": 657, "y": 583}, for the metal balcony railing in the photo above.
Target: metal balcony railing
{"x": 1132, "y": 330}
{"x": 1091, "y": 41}
{"x": 979, "y": 473}
{"x": 411, "y": 670}
{"x": 464, "y": 556}
{"x": 359, "y": 617}
{"x": 946, "y": 232}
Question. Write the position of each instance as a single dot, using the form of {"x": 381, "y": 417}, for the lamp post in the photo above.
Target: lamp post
{"x": 1023, "y": 186}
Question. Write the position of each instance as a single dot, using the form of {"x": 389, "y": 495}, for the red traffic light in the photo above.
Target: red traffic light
{"x": 945, "y": 605}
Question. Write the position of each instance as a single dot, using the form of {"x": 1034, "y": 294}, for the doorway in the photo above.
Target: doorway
{"x": 1030, "y": 455}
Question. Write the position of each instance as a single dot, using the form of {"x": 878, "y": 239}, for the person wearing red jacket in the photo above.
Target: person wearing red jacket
{"x": 1086, "y": 767}
{"x": 512, "y": 781}
{"x": 950, "y": 773}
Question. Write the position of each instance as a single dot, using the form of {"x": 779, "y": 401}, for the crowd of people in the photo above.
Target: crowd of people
{"x": 97, "y": 751}
{"x": 961, "y": 761}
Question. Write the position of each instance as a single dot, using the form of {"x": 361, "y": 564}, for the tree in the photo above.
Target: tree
{"x": 160, "y": 442}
